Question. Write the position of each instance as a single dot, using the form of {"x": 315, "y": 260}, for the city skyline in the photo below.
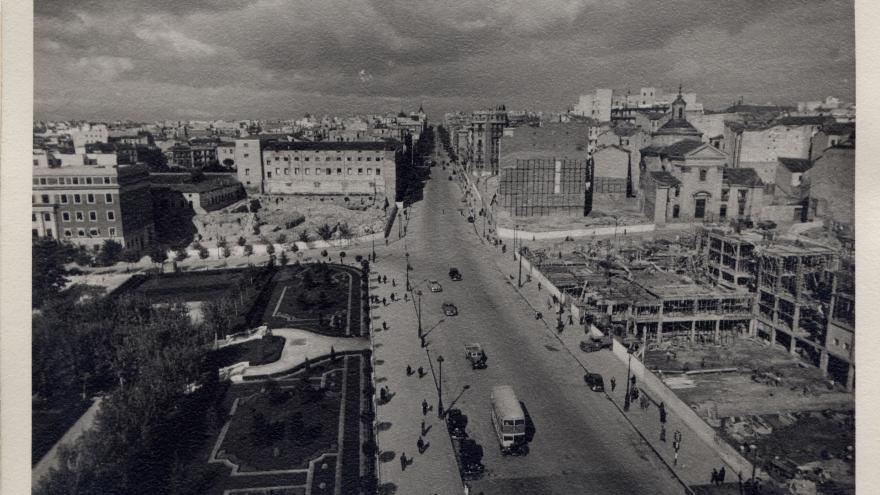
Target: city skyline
{"x": 207, "y": 60}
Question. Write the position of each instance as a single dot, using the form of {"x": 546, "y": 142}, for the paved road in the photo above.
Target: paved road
{"x": 580, "y": 444}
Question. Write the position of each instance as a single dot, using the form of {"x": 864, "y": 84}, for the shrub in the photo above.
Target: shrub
{"x": 281, "y": 239}
{"x": 242, "y": 241}
{"x": 180, "y": 254}
{"x": 324, "y": 253}
{"x": 255, "y": 205}
{"x": 203, "y": 252}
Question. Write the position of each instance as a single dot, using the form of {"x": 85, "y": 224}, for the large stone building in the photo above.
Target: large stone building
{"x": 322, "y": 168}
{"x": 89, "y": 204}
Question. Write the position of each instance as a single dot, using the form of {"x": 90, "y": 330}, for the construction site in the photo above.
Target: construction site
{"x": 752, "y": 329}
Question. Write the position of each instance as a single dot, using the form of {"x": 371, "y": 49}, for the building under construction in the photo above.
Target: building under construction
{"x": 805, "y": 295}
{"x": 541, "y": 187}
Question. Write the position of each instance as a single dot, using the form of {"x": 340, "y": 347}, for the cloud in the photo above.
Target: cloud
{"x": 538, "y": 54}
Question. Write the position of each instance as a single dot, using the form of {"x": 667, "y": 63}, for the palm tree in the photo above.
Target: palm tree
{"x": 345, "y": 232}
{"x": 325, "y": 232}
{"x": 304, "y": 236}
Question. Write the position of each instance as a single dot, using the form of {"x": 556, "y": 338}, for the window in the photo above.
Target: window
{"x": 76, "y": 180}
{"x": 68, "y": 233}
{"x": 296, "y": 171}
{"x": 108, "y": 198}
{"x": 93, "y": 216}
{"x": 338, "y": 171}
{"x": 328, "y": 171}
{"x": 703, "y": 175}
{"x": 42, "y": 181}
{"x": 369, "y": 158}
{"x": 307, "y": 171}
{"x": 338, "y": 158}
{"x": 90, "y": 199}
{"x": 106, "y": 180}
{"x": 286, "y": 158}
{"x": 277, "y": 171}
{"x": 111, "y": 215}
{"x": 245, "y": 145}
{"x": 81, "y": 232}
{"x": 268, "y": 175}
{"x": 33, "y": 217}
{"x": 94, "y": 232}
{"x": 360, "y": 158}
{"x": 677, "y": 191}
{"x": 112, "y": 232}
{"x": 44, "y": 198}
{"x": 675, "y": 211}
{"x": 77, "y": 199}
{"x": 63, "y": 199}
{"x": 47, "y": 217}
{"x": 307, "y": 158}
{"x": 349, "y": 170}
{"x": 369, "y": 171}
{"x": 836, "y": 341}
{"x": 286, "y": 171}
{"x": 846, "y": 345}
{"x": 88, "y": 180}
{"x": 276, "y": 158}
{"x": 360, "y": 171}
{"x": 317, "y": 171}
{"x": 296, "y": 158}
{"x": 722, "y": 213}
{"x": 246, "y": 155}
{"x": 348, "y": 158}
{"x": 65, "y": 216}
{"x": 79, "y": 216}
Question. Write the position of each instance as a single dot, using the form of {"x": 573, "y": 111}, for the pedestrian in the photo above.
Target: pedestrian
{"x": 384, "y": 279}
{"x": 386, "y": 241}
{"x": 382, "y": 395}
{"x": 675, "y": 459}
{"x": 393, "y": 283}
{"x": 421, "y": 372}
{"x": 424, "y": 407}
{"x": 539, "y": 286}
{"x": 384, "y": 325}
{"x": 714, "y": 480}
{"x": 632, "y": 380}
{"x": 384, "y": 302}
{"x": 721, "y": 475}
{"x": 423, "y": 428}
{"x": 570, "y": 320}
{"x": 613, "y": 383}
{"x": 409, "y": 370}
{"x": 392, "y": 297}
{"x": 662, "y": 433}
{"x": 406, "y": 297}
{"x": 403, "y": 461}
{"x": 421, "y": 445}
{"x": 662, "y": 413}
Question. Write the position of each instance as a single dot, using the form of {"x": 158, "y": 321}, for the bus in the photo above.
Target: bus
{"x": 508, "y": 419}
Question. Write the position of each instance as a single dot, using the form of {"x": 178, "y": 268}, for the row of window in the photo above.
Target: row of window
{"x": 78, "y": 215}
{"x": 318, "y": 159}
{"x": 318, "y": 171}
{"x": 92, "y": 232}
{"x": 75, "y": 198}
{"x": 47, "y": 181}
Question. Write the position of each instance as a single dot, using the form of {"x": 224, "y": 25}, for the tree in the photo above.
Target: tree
{"x": 180, "y": 254}
{"x": 282, "y": 238}
{"x": 158, "y": 255}
{"x": 342, "y": 256}
{"x": 111, "y": 252}
{"x": 283, "y": 258}
{"x": 130, "y": 255}
{"x": 48, "y": 276}
{"x": 304, "y": 236}
{"x": 203, "y": 252}
{"x": 324, "y": 253}
{"x": 228, "y": 162}
{"x": 248, "y": 250}
{"x": 242, "y": 241}
{"x": 225, "y": 252}
{"x": 255, "y": 205}
{"x": 270, "y": 249}
{"x": 325, "y": 232}
{"x": 345, "y": 232}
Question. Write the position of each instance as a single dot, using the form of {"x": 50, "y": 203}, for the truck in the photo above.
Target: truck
{"x": 596, "y": 339}
{"x": 474, "y": 353}
{"x": 508, "y": 419}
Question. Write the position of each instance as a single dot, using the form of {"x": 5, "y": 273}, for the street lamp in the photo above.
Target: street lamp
{"x": 628, "y": 366}
{"x": 514, "y": 240}
{"x": 754, "y": 449}
{"x": 374, "y": 249}
{"x": 440, "y": 389}
{"x": 419, "y": 315}
{"x": 407, "y": 271}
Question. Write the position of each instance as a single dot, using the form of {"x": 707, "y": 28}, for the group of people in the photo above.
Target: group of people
{"x": 718, "y": 476}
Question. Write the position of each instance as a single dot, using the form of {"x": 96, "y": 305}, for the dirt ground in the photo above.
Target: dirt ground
{"x": 288, "y": 219}
{"x": 799, "y": 386}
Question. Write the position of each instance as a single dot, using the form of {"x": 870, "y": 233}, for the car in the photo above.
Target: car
{"x": 449, "y": 309}
{"x": 475, "y": 354}
{"x": 454, "y": 274}
{"x": 435, "y": 286}
{"x": 595, "y": 382}
{"x": 596, "y": 345}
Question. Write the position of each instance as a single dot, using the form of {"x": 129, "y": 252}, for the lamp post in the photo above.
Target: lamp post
{"x": 519, "y": 282}
{"x": 374, "y": 249}
{"x": 407, "y": 271}
{"x": 419, "y": 315}
{"x": 754, "y": 449}
{"x": 514, "y": 240}
{"x": 626, "y": 399}
{"x": 440, "y": 389}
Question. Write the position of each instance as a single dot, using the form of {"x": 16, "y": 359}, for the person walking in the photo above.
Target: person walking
{"x": 393, "y": 283}
{"x": 384, "y": 279}
{"x": 421, "y": 372}
{"x": 424, "y": 407}
{"x": 392, "y": 297}
{"x": 421, "y": 445}
{"x": 570, "y": 319}
{"x": 721, "y": 475}
{"x": 662, "y": 413}
{"x": 405, "y": 297}
{"x": 384, "y": 325}
{"x": 409, "y": 370}
{"x": 539, "y": 286}
{"x": 662, "y": 433}
{"x": 613, "y": 383}
{"x": 714, "y": 479}
{"x": 403, "y": 461}
{"x": 384, "y": 302}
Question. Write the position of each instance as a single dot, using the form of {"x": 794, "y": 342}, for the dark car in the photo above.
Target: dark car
{"x": 595, "y": 345}
{"x": 454, "y": 274}
{"x": 595, "y": 382}
{"x": 449, "y": 309}
{"x": 456, "y": 422}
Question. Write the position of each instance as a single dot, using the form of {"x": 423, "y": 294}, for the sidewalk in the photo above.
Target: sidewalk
{"x": 696, "y": 459}
{"x": 400, "y": 420}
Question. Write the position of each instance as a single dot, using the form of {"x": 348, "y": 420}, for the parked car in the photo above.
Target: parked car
{"x": 595, "y": 382}
{"x": 454, "y": 274}
{"x": 449, "y": 309}
{"x": 456, "y": 422}
{"x": 435, "y": 286}
{"x": 592, "y": 345}
{"x": 474, "y": 353}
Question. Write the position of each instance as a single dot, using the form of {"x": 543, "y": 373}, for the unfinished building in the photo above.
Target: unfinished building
{"x": 655, "y": 306}
{"x": 805, "y": 295}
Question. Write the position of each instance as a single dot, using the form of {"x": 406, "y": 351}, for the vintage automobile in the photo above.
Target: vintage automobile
{"x": 449, "y": 309}
{"x": 435, "y": 286}
{"x": 454, "y": 274}
{"x": 595, "y": 382}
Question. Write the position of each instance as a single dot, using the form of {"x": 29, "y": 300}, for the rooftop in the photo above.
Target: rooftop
{"x": 333, "y": 146}
{"x": 665, "y": 179}
{"x": 742, "y": 177}
{"x": 796, "y": 165}
{"x": 678, "y": 126}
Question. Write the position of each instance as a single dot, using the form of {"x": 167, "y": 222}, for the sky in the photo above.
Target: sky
{"x": 267, "y": 59}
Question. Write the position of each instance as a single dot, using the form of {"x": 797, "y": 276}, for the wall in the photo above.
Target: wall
{"x": 832, "y": 183}
{"x": 660, "y": 392}
{"x": 248, "y": 164}
{"x": 506, "y": 233}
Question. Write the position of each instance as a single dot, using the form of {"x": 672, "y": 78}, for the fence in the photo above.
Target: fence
{"x": 659, "y": 391}
{"x": 507, "y": 233}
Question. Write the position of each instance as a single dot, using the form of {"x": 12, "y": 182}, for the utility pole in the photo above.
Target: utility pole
{"x": 519, "y": 282}
{"x": 440, "y": 389}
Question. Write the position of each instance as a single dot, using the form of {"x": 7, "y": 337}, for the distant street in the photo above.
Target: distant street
{"x": 580, "y": 441}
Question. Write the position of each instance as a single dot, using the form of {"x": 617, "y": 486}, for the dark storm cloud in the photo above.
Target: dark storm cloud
{"x": 538, "y": 53}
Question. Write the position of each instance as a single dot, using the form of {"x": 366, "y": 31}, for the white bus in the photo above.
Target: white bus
{"x": 508, "y": 419}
